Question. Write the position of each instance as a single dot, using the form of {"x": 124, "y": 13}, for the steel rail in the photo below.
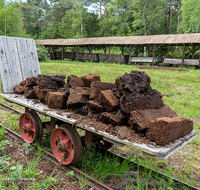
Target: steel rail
{"x": 10, "y": 108}
{"x": 93, "y": 183}
{"x": 12, "y": 134}
{"x": 122, "y": 159}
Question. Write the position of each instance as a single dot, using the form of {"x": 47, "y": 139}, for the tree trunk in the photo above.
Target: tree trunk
{"x": 171, "y": 18}
{"x": 81, "y": 18}
{"x": 105, "y": 17}
{"x": 179, "y": 14}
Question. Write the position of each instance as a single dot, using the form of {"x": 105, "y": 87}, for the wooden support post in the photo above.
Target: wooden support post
{"x": 193, "y": 51}
{"x": 166, "y": 48}
{"x": 88, "y": 139}
{"x": 76, "y": 49}
{"x": 109, "y": 50}
{"x": 122, "y": 50}
{"x": 154, "y": 52}
{"x": 183, "y": 55}
{"x": 105, "y": 50}
{"x": 129, "y": 58}
{"x": 63, "y": 52}
{"x": 53, "y": 53}
{"x": 142, "y": 51}
{"x": 149, "y": 51}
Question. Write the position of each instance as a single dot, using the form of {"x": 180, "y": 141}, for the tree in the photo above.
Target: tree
{"x": 147, "y": 15}
{"x": 190, "y": 17}
{"x": 10, "y": 19}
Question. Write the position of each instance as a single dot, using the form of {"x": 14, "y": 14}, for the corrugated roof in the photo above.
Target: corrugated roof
{"x": 127, "y": 40}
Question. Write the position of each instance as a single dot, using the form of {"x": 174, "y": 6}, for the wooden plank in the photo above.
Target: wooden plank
{"x": 10, "y": 68}
{"x": 162, "y": 152}
{"x": 146, "y": 59}
{"x": 174, "y": 61}
{"x": 34, "y": 68}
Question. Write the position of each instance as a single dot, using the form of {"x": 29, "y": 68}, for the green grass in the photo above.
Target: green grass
{"x": 181, "y": 91}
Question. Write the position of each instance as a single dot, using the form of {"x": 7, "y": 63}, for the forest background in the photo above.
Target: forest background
{"x": 52, "y": 19}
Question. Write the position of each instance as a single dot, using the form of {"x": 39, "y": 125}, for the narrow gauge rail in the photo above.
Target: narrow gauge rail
{"x": 92, "y": 180}
{"x": 93, "y": 183}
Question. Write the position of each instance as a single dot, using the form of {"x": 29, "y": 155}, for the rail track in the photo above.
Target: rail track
{"x": 94, "y": 184}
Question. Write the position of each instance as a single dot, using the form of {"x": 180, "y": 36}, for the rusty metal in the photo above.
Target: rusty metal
{"x": 95, "y": 184}
{"x": 65, "y": 141}
{"x": 10, "y": 108}
{"x": 50, "y": 126}
{"x": 30, "y": 127}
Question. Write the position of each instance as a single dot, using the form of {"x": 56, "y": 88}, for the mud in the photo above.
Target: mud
{"x": 140, "y": 119}
{"x": 165, "y": 129}
{"x": 73, "y": 81}
{"x": 95, "y": 106}
{"x": 78, "y": 96}
{"x": 98, "y": 86}
{"x": 51, "y": 81}
{"x": 108, "y": 100}
{"x": 19, "y": 89}
{"x": 56, "y": 100}
{"x": 88, "y": 79}
{"x": 31, "y": 81}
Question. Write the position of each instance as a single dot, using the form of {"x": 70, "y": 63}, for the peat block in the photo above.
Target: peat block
{"x": 78, "y": 96}
{"x": 56, "y": 100}
{"x": 88, "y": 79}
{"x": 98, "y": 86}
{"x": 42, "y": 93}
{"x": 29, "y": 92}
{"x": 150, "y": 100}
{"x": 165, "y": 129}
{"x": 73, "y": 81}
{"x": 139, "y": 119}
{"x": 108, "y": 100}
{"x": 51, "y": 81}
{"x": 31, "y": 81}
{"x": 115, "y": 118}
{"x": 19, "y": 89}
{"x": 23, "y": 83}
{"x": 136, "y": 81}
{"x": 95, "y": 106}
{"x": 64, "y": 91}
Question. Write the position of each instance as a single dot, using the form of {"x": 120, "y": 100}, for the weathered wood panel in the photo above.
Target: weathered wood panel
{"x": 146, "y": 59}
{"x": 175, "y": 61}
{"x": 18, "y": 61}
{"x": 10, "y": 67}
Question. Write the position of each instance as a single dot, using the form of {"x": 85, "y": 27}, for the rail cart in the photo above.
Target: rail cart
{"x": 19, "y": 61}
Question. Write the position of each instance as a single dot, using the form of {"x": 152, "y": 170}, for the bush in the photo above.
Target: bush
{"x": 42, "y": 54}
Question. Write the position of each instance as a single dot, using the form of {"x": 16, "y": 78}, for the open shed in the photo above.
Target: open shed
{"x": 182, "y": 41}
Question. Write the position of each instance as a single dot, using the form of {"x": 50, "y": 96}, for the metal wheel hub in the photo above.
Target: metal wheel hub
{"x": 66, "y": 145}
{"x": 30, "y": 127}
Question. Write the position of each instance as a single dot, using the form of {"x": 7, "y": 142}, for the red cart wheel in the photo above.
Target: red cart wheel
{"x": 30, "y": 127}
{"x": 66, "y": 145}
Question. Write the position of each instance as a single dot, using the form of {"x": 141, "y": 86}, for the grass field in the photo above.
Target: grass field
{"x": 180, "y": 90}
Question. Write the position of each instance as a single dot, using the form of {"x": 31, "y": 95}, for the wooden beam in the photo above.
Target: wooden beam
{"x": 63, "y": 49}
{"x": 129, "y": 58}
{"x": 183, "y": 55}
{"x": 154, "y": 51}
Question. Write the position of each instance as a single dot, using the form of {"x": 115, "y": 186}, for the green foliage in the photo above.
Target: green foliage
{"x": 42, "y": 54}
{"x": 190, "y": 17}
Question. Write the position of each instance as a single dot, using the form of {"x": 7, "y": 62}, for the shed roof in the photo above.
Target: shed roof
{"x": 173, "y": 39}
